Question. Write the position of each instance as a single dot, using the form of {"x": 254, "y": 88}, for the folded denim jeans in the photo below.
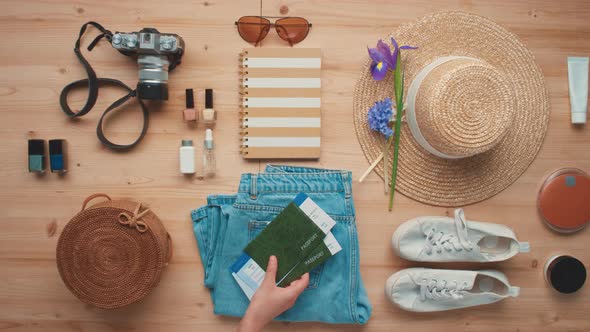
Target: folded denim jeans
{"x": 225, "y": 225}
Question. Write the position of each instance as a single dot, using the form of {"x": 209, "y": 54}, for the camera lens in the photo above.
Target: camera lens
{"x": 153, "y": 91}
{"x": 153, "y": 77}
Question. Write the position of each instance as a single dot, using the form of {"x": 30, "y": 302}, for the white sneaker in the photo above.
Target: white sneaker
{"x": 444, "y": 239}
{"x": 426, "y": 290}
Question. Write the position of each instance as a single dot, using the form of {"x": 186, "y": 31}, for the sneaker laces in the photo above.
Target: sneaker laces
{"x": 433, "y": 290}
{"x": 449, "y": 242}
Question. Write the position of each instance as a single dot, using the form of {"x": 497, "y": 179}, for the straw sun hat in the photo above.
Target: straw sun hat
{"x": 476, "y": 109}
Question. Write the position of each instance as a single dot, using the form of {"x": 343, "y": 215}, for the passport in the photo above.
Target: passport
{"x": 299, "y": 237}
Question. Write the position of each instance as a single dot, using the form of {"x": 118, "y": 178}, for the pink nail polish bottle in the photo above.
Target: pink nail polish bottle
{"x": 190, "y": 113}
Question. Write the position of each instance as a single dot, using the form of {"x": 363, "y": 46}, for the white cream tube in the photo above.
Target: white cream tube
{"x": 577, "y": 72}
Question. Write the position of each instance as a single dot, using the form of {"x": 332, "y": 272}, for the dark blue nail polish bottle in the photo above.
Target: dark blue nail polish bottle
{"x": 57, "y": 155}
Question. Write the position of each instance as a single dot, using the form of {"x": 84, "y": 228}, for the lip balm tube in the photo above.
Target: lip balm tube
{"x": 577, "y": 72}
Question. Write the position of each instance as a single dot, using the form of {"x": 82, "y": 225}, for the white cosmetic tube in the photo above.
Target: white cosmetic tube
{"x": 577, "y": 72}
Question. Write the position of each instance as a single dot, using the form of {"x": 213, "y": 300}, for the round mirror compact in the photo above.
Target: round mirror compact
{"x": 564, "y": 200}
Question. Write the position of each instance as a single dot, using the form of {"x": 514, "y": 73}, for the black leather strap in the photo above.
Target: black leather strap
{"x": 93, "y": 83}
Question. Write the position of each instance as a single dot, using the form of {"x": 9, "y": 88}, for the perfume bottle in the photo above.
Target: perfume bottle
{"x": 209, "y": 154}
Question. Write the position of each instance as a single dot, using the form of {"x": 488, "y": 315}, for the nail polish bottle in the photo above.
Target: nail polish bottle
{"x": 187, "y": 157}
{"x": 190, "y": 113}
{"x": 209, "y": 154}
{"x": 209, "y": 114}
{"x": 37, "y": 156}
{"x": 57, "y": 156}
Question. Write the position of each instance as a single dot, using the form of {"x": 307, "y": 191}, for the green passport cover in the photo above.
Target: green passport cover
{"x": 296, "y": 241}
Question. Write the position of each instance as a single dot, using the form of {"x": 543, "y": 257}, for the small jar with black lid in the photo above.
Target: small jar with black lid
{"x": 565, "y": 273}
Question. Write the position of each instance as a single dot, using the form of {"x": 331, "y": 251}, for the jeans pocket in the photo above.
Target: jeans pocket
{"x": 256, "y": 226}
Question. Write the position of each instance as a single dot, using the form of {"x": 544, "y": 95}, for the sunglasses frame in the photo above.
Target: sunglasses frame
{"x": 276, "y": 24}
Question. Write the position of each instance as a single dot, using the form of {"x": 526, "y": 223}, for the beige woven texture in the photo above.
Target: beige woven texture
{"x": 496, "y": 108}
{"x": 466, "y": 107}
{"x": 109, "y": 264}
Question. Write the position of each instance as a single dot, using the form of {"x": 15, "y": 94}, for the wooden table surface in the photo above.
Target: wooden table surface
{"x": 37, "y": 61}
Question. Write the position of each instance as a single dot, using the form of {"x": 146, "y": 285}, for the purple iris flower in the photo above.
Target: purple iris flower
{"x": 384, "y": 59}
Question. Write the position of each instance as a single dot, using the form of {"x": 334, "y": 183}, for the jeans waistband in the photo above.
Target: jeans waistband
{"x": 279, "y": 178}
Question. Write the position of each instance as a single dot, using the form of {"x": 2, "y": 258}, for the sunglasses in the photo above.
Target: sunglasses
{"x": 254, "y": 29}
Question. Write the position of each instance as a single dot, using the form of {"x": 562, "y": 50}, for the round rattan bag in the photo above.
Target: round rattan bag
{"x": 112, "y": 254}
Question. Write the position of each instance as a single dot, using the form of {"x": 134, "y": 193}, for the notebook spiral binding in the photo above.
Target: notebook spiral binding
{"x": 243, "y": 113}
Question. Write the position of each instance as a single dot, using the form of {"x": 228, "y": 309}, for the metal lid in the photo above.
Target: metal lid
{"x": 187, "y": 142}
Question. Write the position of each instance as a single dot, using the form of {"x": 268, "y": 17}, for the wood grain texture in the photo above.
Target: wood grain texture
{"x": 37, "y": 61}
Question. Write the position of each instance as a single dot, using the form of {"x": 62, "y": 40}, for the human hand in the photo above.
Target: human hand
{"x": 271, "y": 300}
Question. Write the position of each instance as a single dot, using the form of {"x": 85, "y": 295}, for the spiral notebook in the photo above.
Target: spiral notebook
{"x": 281, "y": 101}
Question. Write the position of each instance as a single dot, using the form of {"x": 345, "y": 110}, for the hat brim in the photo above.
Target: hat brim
{"x": 443, "y": 182}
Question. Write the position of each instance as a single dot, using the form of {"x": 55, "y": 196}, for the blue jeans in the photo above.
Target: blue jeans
{"x": 225, "y": 225}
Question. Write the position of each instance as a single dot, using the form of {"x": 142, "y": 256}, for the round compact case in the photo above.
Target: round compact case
{"x": 112, "y": 253}
{"x": 563, "y": 200}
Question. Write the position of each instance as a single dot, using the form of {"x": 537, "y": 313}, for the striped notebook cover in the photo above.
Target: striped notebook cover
{"x": 281, "y": 100}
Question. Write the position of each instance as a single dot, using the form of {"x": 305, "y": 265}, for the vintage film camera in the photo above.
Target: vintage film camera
{"x": 157, "y": 53}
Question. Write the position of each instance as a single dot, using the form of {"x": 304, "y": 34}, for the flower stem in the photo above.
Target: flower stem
{"x": 386, "y": 148}
{"x": 399, "y": 99}
{"x": 398, "y": 122}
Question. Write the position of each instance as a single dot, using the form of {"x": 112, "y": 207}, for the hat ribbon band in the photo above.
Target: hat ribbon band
{"x": 411, "y": 102}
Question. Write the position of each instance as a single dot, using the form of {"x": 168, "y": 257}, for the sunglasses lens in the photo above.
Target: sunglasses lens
{"x": 292, "y": 29}
{"x": 253, "y": 29}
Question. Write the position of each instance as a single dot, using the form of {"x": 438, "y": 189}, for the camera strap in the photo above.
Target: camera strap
{"x": 93, "y": 83}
